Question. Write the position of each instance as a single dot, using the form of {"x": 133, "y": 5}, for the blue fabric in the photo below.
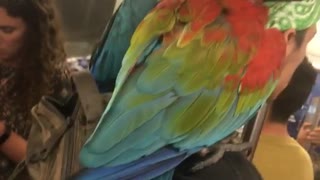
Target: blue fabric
{"x": 299, "y": 116}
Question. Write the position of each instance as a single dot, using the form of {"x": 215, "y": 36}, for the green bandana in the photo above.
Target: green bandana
{"x": 297, "y": 15}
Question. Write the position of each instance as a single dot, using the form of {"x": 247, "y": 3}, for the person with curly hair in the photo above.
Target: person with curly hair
{"x": 32, "y": 64}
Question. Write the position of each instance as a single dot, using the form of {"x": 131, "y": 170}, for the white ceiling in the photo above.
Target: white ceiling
{"x": 313, "y": 50}
{"x": 118, "y": 2}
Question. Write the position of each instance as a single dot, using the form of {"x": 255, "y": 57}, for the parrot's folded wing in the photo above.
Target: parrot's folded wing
{"x": 189, "y": 78}
{"x": 144, "y": 168}
{"x": 108, "y": 58}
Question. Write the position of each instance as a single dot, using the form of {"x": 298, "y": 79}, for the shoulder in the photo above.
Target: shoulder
{"x": 303, "y": 156}
{"x": 304, "y": 164}
{"x": 282, "y": 157}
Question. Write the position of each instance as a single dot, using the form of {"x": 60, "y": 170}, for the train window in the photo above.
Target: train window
{"x": 82, "y": 23}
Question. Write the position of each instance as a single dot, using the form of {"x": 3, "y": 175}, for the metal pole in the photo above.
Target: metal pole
{"x": 257, "y": 128}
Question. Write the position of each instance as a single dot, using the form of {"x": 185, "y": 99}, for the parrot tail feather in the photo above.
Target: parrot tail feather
{"x": 155, "y": 166}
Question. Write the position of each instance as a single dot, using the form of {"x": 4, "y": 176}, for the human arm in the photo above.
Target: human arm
{"x": 14, "y": 147}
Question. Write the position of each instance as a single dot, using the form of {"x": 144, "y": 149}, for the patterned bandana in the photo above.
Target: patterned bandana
{"x": 298, "y": 15}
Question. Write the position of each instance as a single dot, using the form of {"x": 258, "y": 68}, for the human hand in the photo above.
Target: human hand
{"x": 304, "y": 132}
{"x": 306, "y": 135}
{"x": 314, "y": 136}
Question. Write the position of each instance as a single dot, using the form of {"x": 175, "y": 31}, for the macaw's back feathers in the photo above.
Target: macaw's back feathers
{"x": 273, "y": 47}
{"x": 108, "y": 57}
{"x": 195, "y": 71}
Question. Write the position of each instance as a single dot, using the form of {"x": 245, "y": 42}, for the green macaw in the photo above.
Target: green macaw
{"x": 193, "y": 72}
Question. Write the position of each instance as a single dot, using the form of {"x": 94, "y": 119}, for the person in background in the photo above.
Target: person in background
{"x": 31, "y": 65}
{"x": 305, "y": 133}
{"x": 76, "y": 64}
{"x": 278, "y": 156}
{"x": 298, "y": 128}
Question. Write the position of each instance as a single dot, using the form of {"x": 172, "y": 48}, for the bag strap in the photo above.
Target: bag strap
{"x": 93, "y": 103}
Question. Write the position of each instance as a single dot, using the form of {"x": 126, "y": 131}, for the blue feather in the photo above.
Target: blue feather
{"x": 229, "y": 126}
{"x": 107, "y": 62}
{"x": 154, "y": 165}
{"x": 143, "y": 107}
{"x": 114, "y": 133}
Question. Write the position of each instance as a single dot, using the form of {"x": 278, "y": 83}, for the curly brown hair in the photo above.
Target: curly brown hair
{"x": 42, "y": 55}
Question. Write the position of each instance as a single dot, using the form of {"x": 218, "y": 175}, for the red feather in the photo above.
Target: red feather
{"x": 202, "y": 14}
{"x": 267, "y": 61}
{"x": 169, "y": 4}
{"x": 215, "y": 34}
